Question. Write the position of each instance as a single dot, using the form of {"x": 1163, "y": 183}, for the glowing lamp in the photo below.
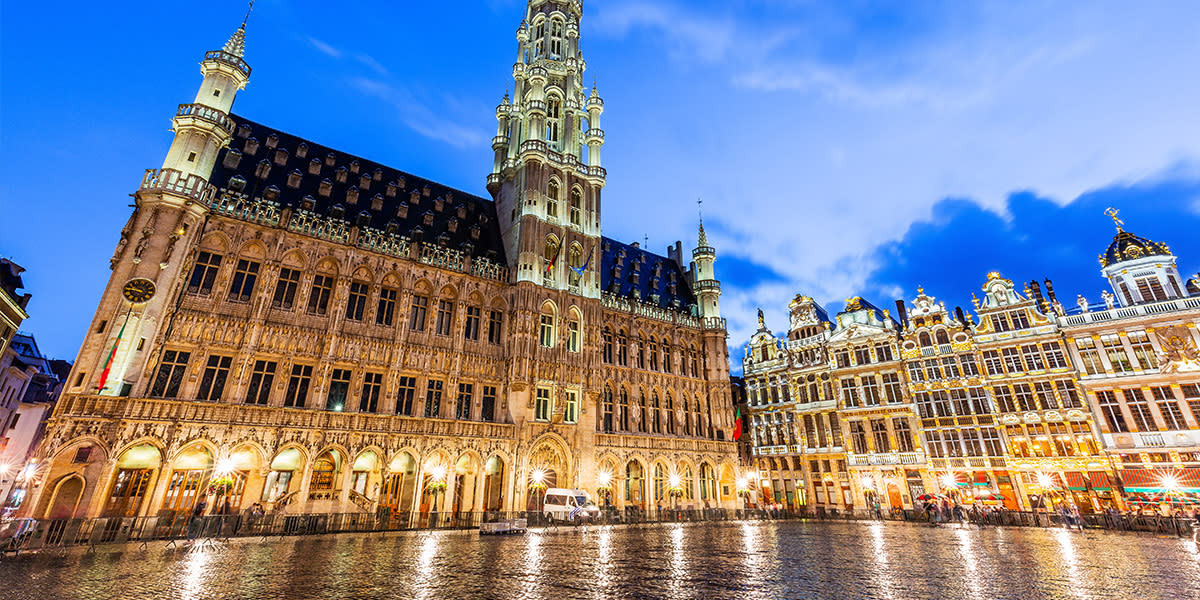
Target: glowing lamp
{"x": 675, "y": 480}
{"x": 742, "y": 483}
{"x": 603, "y": 479}
{"x": 538, "y": 476}
{"x": 1045, "y": 481}
{"x": 438, "y": 472}
{"x": 1170, "y": 483}
{"x": 949, "y": 480}
{"x": 224, "y": 467}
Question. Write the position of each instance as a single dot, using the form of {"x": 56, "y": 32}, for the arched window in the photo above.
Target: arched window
{"x": 556, "y": 39}
{"x": 639, "y": 352}
{"x": 575, "y": 260}
{"x": 552, "y": 192}
{"x": 942, "y": 338}
{"x": 622, "y": 349}
{"x": 924, "y": 339}
{"x": 576, "y": 207}
{"x": 642, "y": 411}
{"x": 623, "y": 410}
{"x": 608, "y": 346}
{"x": 689, "y": 483}
{"x": 666, "y": 355}
{"x": 539, "y": 37}
{"x": 653, "y": 355}
{"x": 708, "y": 482}
{"x": 546, "y": 326}
{"x": 574, "y": 332}
{"x": 550, "y": 257}
{"x": 656, "y": 424}
{"x": 670, "y": 408}
{"x": 687, "y": 416}
{"x": 606, "y": 411}
{"x": 660, "y": 483}
{"x": 553, "y": 112}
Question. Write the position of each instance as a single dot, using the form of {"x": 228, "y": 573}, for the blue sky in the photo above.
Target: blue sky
{"x": 841, "y": 148}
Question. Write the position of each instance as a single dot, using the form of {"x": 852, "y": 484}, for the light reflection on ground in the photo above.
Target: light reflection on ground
{"x": 731, "y": 560}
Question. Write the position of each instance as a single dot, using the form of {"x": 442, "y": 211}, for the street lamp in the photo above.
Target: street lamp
{"x": 604, "y": 485}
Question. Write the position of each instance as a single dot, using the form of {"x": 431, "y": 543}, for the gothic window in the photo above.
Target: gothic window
{"x": 656, "y": 415}
{"x": 212, "y": 382}
{"x": 550, "y": 256}
{"x": 318, "y": 297}
{"x": 406, "y": 391}
{"x": 622, "y": 349}
{"x": 416, "y": 316}
{"x": 552, "y": 192}
{"x": 204, "y": 273}
{"x": 556, "y": 39}
{"x": 575, "y": 260}
{"x": 623, "y": 410}
{"x": 571, "y": 407}
{"x": 462, "y": 404}
{"x": 369, "y": 400}
{"x": 244, "y": 277}
{"x": 576, "y": 207}
{"x": 356, "y": 304}
{"x": 386, "y": 311}
{"x": 170, "y": 374}
{"x": 574, "y": 334}
{"x": 487, "y": 408}
{"x": 642, "y": 411}
{"x": 640, "y": 353}
{"x": 339, "y": 387}
{"x": 539, "y": 37}
{"x": 285, "y": 288}
{"x": 670, "y": 408}
{"x": 445, "y": 317}
{"x": 543, "y": 406}
{"x": 653, "y": 346}
{"x": 298, "y": 383}
{"x": 433, "y": 398}
{"x": 553, "y": 110}
{"x": 666, "y": 356}
{"x": 495, "y": 320}
{"x": 471, "y": 326}
{"x": 261, "y": 378}
{"x": 608, "y": 346}
{"x": 606, "y": 411}
{"x": 546, "y": 327}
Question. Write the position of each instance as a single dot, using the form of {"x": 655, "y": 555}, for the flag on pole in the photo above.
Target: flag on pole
{"x": 580, "y": 270}
{"x": 737, "y": 423}
{"x": 111, "y": 355}
{"x": 554, "y": 260}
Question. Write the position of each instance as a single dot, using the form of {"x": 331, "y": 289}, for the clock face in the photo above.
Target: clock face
{"x": 138, "y": 290}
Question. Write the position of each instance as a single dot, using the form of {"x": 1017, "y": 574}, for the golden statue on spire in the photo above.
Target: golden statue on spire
{"x": 1112, "y": 213}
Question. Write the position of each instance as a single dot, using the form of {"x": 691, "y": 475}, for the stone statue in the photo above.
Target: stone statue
{"x": 760, "y": 320}
{"x": 1082, "y": 302}
{"x": 1108, "y": 299}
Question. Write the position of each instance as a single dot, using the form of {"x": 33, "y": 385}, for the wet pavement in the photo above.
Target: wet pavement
{"x": 729, "y": 560}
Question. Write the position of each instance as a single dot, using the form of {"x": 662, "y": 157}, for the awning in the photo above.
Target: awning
{"x": 1156, "y": 480}
{"x": 1099, "y": 480}
{"x": 981, "y": 478}
{"x": 1075, "y": 481}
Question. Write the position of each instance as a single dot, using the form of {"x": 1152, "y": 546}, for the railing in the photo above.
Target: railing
{"x": 361, "y": 501}
{"x": 319, "y": 226}
{"x": 595, "y": 133}
{"x": 240, "y": 207}
{"x": 651, "y": 311}
{"x": 178, "y": 182}
{"x": 889, "y": 458}
{"x": 207, "y": 113}
{"x": 499, "y": 141}
{"x": 383, "y": 242}
{"x": 230, "y": 59}
{"x": 707, "y": 284}
{"x": 170, "y": 528}
{"x": 1137, "y": 310}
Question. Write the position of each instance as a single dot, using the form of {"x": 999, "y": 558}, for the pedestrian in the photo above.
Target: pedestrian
{"x": 197, "y": 519}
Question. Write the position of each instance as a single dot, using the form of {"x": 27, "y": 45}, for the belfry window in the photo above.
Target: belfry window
{"x": 550, "y": 257}
{"x": 546, "y": 330}
{"x": 576, "y": 207}
{"x": 553, "y": 110}
{"x": 575, "y": 260}
{"x": 552, "y": 192}
{"x": 556, "y": 39}
{"x": 204, "y": 273}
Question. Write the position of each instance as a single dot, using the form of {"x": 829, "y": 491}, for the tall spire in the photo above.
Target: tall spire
{"x": 700, "y": 212}
{"x": 237, "y": 42}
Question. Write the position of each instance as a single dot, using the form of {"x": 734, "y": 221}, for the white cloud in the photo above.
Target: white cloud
{"x": 418, "y": 116}
{"x": 325, "y": 48}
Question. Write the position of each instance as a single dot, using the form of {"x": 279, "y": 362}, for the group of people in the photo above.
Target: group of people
{"x": 195, "y": 527}
{"x": 945, "y": 512}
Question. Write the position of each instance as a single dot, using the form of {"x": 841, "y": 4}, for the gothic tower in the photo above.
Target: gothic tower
{"x": 708, "y": 288}
{"x": 547, "y": 178}
{"x": 170, "y": 207}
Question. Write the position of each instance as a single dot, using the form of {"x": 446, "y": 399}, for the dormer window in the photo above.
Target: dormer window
{"x": 391, "y": 189}
{"x": 338, "y": 211}
{"x": 439, "y": 204}
{"x": 294, "y": 178}
{"x": 377, "y": 202}
{"x": 428, "y": 217}
{"x": 425, "y": 191}
{"x": 281, "y": 157}
{"x": 475, "y": 232}
{"x": 364, "y": 181}
{"x": 325, "y": 187}
{"x": 378, "y": 176}
{"x": 232, "y": 159}
{"x": 243, "y": 131}
{"x": 314, "y": 166}
{"x": 402, "y": 210}
{"x": 452, "y": 226}
{"x": 354, "y": 166}
{"x": 340, "y": 174}
{"x": 302, "y": 150}
{"x": 330, "y": 159}
{"x": 400, "y": 183}
{"x": 272, "y": 141}
{"x": 237, "y": 183}
{"x": 308, "y": 202}
{"x": 250, "y": 147}
{"x": 352, "y": 195}
{"x": 271, "y": 193}
{"x": 461, "y": 212}
{"x": 263, "y": 169}
{"x": 414, "y": 198}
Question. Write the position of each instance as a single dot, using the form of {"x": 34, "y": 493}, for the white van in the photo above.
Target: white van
{"x": 562, "y": 504}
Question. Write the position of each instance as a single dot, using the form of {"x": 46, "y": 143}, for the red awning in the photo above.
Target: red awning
{"x": 1075, "y": 481}
{"x": 1099, "y": 480}
{"x": 981, "y": 478}
{"x": 1152, "y": 480}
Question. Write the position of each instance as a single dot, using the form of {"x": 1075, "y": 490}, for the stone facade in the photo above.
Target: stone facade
{"x": 292, "y": 325}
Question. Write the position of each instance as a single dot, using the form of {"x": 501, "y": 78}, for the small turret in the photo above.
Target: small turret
{"x": 708, "y": 289}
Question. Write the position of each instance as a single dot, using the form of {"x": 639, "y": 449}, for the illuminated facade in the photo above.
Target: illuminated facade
{"x": 290, "y": 324}
{"x": 1138, "y": 364}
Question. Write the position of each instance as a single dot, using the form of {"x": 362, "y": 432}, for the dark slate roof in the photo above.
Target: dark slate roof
{"x": 255, "y": 149}
{"x": 865, "y": 304}
{"x": 251, "y": 156}
{"x": 632, "y": 272}
{"x": 1127, "y": 246}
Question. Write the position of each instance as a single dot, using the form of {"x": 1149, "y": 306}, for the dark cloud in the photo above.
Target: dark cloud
{"x": 951, "y": 253}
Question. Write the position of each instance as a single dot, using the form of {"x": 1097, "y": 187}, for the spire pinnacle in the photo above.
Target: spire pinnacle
{"x": 237, "y": 42}
{"x": 1112, "y": 213}
{"x": 700, "y": 212}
